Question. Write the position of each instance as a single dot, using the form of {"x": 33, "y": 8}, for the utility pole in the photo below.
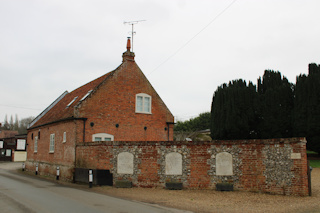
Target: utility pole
{"x": 132, "y": 23}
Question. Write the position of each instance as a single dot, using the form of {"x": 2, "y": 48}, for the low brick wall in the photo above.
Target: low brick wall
{"x": 276, "y": 166}
{"x": 50, "y": 169}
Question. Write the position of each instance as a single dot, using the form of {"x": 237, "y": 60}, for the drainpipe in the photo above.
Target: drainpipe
{"x": 168, "y": 124}
{"x": 75, "y": 145}
{"x": 84, "y": 129}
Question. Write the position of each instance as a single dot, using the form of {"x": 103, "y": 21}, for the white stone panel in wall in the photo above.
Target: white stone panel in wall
{"x": 173, "y": 164}
{"x": 295, "y": 156}
{"x": 125, "y": 163}
{"x": 20, "y": 156}
{"x": 224, "y": 164}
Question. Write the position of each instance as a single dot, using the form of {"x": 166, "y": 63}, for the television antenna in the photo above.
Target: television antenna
{"x": 132, "y": 23}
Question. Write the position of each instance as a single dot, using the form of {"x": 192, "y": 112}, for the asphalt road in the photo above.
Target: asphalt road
{"x": 19, "y": 193}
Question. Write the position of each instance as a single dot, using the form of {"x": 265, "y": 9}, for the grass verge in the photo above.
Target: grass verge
{"x": 315, "y": 163}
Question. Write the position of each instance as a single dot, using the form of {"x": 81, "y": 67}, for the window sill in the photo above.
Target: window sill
{"x": 51, "y": 152}
{"x": 148, "y": 113}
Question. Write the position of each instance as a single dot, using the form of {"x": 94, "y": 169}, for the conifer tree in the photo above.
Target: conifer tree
{"x": 233, "y": 113}
{"x": 276, "y": 105}
{"x": 307, "y": 107}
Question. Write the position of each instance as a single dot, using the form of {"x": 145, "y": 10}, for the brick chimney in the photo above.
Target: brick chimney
{"x": 128, "y": 56}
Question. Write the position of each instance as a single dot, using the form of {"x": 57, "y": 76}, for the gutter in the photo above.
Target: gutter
{"x": 58, "y": 121}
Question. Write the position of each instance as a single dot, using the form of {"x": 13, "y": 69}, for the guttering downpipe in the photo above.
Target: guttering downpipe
{"x": 84, "y": 129}
{"x": 168, "y": 123}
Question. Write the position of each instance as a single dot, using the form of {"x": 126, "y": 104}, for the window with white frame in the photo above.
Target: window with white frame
{"x": 64, "y": 137}
{"x": 86, "y": 95}
{"x": 102, "y": 137}
{"x": 51, "y": 148}
{"x": 71, "y": 102}
{"x": 8, "y": 153}
{"x": 36, "y": 144}
{"x": 143, "y": 103}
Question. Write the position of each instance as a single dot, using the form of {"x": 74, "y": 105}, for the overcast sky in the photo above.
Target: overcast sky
{"x": 186, "y": 48}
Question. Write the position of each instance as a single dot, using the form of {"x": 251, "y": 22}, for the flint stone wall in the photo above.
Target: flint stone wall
{"x": 277, "y": 166}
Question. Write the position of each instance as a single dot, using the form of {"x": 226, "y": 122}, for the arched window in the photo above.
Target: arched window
{"x": 102, "y": 137}
{"x": 224, "y": 165}
{"x": 173, "y": 163}
{"x": 125, "y": 163}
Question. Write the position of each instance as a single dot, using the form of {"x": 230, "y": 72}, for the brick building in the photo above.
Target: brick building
{"x": 12, "y": 146}
{"x": 121, "y": 105}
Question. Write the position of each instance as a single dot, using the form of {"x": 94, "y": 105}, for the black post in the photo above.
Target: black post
{"x": 37, "y": 168}
{"x": 58, "y": 172}
{"x": 90, "y": 178}
{"x": 309, "y": 177}
{"x": 23, "y": 167}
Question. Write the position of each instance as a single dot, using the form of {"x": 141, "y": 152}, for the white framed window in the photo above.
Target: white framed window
{"x": 1, "y": 144}
{"x": 97, "y": 139}
{"x": 86, "y": 95}
{"x": 102, "y": 137}
{"x": 36, "y": 144}
{"x": 8, "y": 152}
{"x": 64, "y": 137}
{"x": 21, "y": 144}
{"x": 71, "y": 102}
{"x": 143, "y": 103}
{"x": 51, "y": 148}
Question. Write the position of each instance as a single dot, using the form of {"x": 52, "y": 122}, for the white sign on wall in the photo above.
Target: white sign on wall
{"x": 224, "y": 165}
{"x": 21, "y": 144}
{"x": 174, "y": 164}
{"x": 8, "y": 152}
{"x": 125, "y": 163}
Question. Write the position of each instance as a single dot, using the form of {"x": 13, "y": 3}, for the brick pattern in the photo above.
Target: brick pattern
{"x": 258, "y": 165}
{"x": 111, "y": 108}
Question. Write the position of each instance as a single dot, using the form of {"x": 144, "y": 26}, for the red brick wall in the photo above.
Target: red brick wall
{"x": 114, "y": 103}
{"x": 64, "y": 152}
{"x": 258, "y": 165}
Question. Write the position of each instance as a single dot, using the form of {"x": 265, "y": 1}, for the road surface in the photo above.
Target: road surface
{"x": 20, "y": 193}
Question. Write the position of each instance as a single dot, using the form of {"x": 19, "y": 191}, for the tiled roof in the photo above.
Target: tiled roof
{"x": 61, "y": 110}
{"x": 7, "y": 133}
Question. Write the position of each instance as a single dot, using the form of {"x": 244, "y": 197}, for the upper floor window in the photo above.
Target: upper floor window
{"x": 51, "y": 148}
{"x": 143, "y": 103}
{"x": 86, "y": 95}
{"x": 64, "y": 137}
{"x": 72, "y": 101}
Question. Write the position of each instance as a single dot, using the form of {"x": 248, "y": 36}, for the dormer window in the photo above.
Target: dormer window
{"x": 72, "y": 101}
{"x": 143, "y": 103}
{"x": 86, "y": 95}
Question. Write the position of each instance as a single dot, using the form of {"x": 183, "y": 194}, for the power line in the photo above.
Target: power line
{"x": 215, "y": 18}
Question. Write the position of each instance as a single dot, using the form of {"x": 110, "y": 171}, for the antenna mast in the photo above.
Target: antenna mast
{"x": 132, "y": 31}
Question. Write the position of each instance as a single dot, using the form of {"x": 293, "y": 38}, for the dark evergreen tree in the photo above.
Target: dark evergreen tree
{"x": 307, "y": 107}
{"x": 275, "y": 105}
{"x": 233, "y": 111}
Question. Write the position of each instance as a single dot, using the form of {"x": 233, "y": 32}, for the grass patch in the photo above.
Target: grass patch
{"x": 315, "y": 163}
{"x": 311, "y": 152}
